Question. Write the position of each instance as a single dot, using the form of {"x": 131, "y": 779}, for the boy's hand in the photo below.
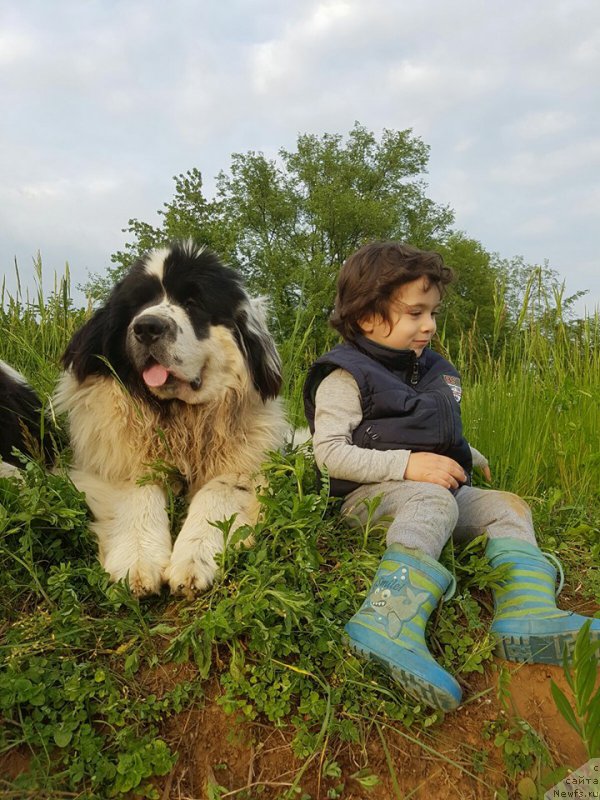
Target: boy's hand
{"x": 487, "y": 473}
{"x": 431, "y": 468}
{"x": 481, "y": 462}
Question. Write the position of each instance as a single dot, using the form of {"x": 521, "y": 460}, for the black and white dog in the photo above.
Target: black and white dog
{"x": 177, "y": 368}
{"x": 22, "y": 423}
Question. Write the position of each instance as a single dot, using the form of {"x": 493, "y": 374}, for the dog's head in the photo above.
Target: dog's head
{"x": 179, "y": 326}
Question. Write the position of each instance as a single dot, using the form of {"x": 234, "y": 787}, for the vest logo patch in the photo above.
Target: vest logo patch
{"x": 454, "y": 384}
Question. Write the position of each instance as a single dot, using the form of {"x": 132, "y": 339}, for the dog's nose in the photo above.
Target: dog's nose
{"x": 149, "y": 328}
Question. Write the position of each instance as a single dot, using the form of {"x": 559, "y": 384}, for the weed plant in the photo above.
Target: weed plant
{"x": 582, "y": 676}
{"x": 36, "y": 328}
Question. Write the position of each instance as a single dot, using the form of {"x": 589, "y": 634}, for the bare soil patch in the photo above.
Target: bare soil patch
{"x": 253, "y": 760}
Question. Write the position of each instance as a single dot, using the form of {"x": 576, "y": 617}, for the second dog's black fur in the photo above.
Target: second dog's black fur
{"x": 22, "y": 424}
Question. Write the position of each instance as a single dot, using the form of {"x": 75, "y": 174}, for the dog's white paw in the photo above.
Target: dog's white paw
{"x": 192, "y": 568}
{"x": 144, "y": 577}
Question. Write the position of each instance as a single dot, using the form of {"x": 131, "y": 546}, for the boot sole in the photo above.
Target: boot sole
{"x": 418, "y": 688}
{"x": 539, "y": 649}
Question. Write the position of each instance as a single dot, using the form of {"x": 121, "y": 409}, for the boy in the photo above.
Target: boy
{"x": 384, "y": 410}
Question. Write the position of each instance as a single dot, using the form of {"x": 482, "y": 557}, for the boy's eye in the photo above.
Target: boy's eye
{"x": 418, "y": 313}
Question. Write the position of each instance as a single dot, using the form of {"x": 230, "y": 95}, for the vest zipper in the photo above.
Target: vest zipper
{"x": 414, "y": 378}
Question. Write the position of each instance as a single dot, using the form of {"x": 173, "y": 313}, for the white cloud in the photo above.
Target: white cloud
{"x": 588, "y": 203}
{"x": 538, "y": 225}
{"x": 44, "y": 191}
{"x": 455, "y": 187}
{"x": 414, "y": 76}
{"x": 464, "y": 144}
{"x": 542, "y": 123}
{"x": 587, "y": 52}
{"x": 327, "y": 16}
{"x": 15, "y": 46}
{"x": 104, "y": 102}
{"x": 533, "y": 168}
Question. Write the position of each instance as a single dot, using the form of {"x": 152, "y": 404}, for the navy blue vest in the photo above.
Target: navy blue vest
{"x": 408, "y": 403}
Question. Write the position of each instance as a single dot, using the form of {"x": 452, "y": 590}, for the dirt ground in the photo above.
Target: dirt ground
{"x": 256, "y": 761}
{"x": 253, "y": 761}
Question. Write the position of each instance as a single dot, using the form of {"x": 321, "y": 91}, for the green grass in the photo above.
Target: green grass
{"x": 534, "y": 410}
{"x": 80, "y": 660}
{"x": 36, "y": 328}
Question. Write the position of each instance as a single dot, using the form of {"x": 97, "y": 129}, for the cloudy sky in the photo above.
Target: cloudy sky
{"x": 103, "y": 101}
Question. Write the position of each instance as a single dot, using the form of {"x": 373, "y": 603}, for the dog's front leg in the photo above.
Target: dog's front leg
{"x": 193, "y": 566}
{"x": 132, "y": 527}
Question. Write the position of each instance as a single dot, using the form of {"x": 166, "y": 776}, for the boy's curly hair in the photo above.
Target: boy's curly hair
{"x": 371, "y": 275}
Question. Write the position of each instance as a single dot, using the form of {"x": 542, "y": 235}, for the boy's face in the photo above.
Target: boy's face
{"x": 412, "y": 311}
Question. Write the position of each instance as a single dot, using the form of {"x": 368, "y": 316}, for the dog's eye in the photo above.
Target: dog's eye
{"x": 190, "y": 303}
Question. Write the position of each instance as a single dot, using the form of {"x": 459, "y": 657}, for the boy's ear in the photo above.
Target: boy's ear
{"x": 367, "y": 324}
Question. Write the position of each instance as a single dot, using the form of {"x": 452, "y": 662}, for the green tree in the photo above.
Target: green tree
{"x": 296, "y": 220}
{"x": 289, "y": 223}
{"x": 471, "y": 298}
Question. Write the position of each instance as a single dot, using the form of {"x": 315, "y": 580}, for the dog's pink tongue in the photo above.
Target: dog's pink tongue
{"x": 155, "y": 375}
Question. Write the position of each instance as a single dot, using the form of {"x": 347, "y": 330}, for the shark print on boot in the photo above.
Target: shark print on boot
{"x": 390, "y": 625}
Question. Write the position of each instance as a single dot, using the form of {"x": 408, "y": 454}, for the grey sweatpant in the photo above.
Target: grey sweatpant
{"x": 425, "y": 515}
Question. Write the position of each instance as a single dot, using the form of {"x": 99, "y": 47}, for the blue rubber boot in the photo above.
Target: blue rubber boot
{"x": 527, "y": 624}
{"x": 390, "y": 625}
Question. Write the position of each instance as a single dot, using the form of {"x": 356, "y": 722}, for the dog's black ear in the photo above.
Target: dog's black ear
{"x": 259, "y": 348}
{"x": 85, "y": 352}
